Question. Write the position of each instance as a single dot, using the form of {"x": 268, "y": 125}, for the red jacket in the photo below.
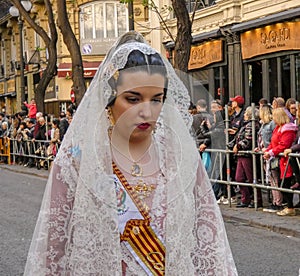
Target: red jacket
{"x": 32, "y": 110}
{"x": 282, "y": 139}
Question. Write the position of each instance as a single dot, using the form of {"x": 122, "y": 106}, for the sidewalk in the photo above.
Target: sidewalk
{"x": 26, "y": 170}
{"x": 289, "y": 226}
{"x": 286, "y": 225}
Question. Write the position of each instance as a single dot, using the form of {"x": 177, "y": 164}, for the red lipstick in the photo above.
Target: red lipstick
{"x": 143, "y": 126}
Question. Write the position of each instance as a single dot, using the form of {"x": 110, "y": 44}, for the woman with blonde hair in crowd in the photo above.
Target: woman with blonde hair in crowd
{"x": 264, "y": 139}
{"x": 283, "y": 137}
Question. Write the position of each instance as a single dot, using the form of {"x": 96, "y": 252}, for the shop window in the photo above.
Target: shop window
{"x": 285, "y": 76}
{"x": 255, "y": 81}
{"x": 273, "y": 78}
{"x": 102, "y": 20}
{"x": 221, "y": 84}
{"x": 297, "y": 69}
{"x": 190, "y": 4}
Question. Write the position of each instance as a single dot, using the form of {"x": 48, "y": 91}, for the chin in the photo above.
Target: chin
{"x": 140, "y": 135}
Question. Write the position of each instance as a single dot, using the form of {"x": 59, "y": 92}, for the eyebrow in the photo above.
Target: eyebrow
{"x": 139, "y": 94}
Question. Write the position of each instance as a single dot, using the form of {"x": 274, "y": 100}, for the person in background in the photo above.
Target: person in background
{"x": 30, "y": 123}
{"x": 236, "y": 122}
{"x": 291, "y": 107}
{"x": 202, "y": 121}
{"x": 263, "y": 141}
{"x": 192, "y": 109}
{"x": 237, "y": 118}
{"x": 262, "y": 102}
{"x": 69, "y": 115}
{"x": 42, "y": 130}
{"x": 295, "y": 161}
{"x": 283, "y": 137}
{"x": 22, "y": 139}
{"x": 279, "y": 102}
{"x": 32, "y": 109}
{"x": 54, "y": 138}
{"x": 63, "y": 125}
{"x": 4, "y": 133}
{"x": 244, "y": 170}
{"x": 37, "y": 125}
{"x": 216, "y": 133}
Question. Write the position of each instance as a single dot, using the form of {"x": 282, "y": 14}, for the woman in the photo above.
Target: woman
{"x": 264, "y": 139}
{"x": 294, "y": 161}
{"x": 283, "y": 137}
{"x": 129, "y": 187}
{"x": 244, "y": 169}
{"x": 54, "y": 138}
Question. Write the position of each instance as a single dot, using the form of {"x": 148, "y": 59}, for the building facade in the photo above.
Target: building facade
{"x": 96, "y": 25}
{"x": 247, "y": 47}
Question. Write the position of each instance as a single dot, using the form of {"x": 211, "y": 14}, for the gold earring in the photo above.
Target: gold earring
{"x": 111, "y": 121}
{"x": 110, "y": 116}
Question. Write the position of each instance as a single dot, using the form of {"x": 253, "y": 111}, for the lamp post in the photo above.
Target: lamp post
{"x": 14, "y": 12}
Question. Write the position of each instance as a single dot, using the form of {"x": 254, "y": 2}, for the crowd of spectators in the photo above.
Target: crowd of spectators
{"x": 34, "y": 137}
{"x": 276, "y": 131}
{"x": 271, "y": 130}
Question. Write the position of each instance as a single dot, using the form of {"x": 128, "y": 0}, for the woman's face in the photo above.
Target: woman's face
{"x": 138, "y": 104}
{"x": 246, "y": 116}
{"x": 276, "y": 119}
{"x": 274, "y": 104}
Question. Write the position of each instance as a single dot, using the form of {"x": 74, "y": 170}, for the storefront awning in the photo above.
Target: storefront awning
{"x": 64, "y": 69}
{"x": 11, "y": 94}
{"x": 198, "y": 38}
{"x": 273, "y": 18}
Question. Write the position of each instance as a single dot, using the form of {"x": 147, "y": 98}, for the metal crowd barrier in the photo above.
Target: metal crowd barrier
{"x": 32, "y": 151}
{"x": 223, "y": 155}
{"x": 5, "y": 148}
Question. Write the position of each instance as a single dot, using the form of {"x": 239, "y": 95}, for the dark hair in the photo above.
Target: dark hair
{"x": 70, "y": 110}
{"x": 202, "y": 103}
{"x": 263, "y": 101}
{"x": 23, "y": 124}
{"x": 55, "y": 121}
{"x": 136, "y": 62}
{"x": 62, "y": 115}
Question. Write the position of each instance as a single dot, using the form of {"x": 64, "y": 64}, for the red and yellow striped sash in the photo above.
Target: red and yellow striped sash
{"x": 139, "y": 234}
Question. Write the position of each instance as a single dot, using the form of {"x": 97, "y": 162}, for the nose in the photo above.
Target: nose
{"x": 145, "y": 110}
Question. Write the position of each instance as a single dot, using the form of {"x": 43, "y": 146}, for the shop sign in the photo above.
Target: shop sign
{"x": 2, "y": 87}
{"x": 64, "y": 70}
{"x": 204, "y": 54}
{"x": 270, "y": 39}
{"x": 11, "y": 87}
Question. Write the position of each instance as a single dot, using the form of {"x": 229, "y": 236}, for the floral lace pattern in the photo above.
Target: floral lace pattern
{"x": 77, "y": 228}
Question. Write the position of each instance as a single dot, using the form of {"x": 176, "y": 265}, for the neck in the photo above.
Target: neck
{"x": 133, "y": 149}
{"x": 137, "y": 149}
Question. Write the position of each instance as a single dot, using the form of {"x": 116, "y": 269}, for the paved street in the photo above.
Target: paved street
{"x": 256, "y": 249}
{"x": 21, "y": 196}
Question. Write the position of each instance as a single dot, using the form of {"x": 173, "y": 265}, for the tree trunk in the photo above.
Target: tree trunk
{"x": 184, "y": 36}
{"x": 71, "y": 42}
{"x": 50, "y": 43}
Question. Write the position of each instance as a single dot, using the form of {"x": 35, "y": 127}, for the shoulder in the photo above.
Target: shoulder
{"x": 289, "y": 127}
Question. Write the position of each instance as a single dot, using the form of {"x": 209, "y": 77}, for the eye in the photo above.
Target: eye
{"x": 132, "y": 99}
{"x": 157, "y": 100}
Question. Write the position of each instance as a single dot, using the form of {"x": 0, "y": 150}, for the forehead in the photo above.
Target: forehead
{"x": 133, "y": 81}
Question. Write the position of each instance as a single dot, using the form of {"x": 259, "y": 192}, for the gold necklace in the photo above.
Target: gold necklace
{"x": 136, "y": 170}
{"x": 143, "y": 190}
